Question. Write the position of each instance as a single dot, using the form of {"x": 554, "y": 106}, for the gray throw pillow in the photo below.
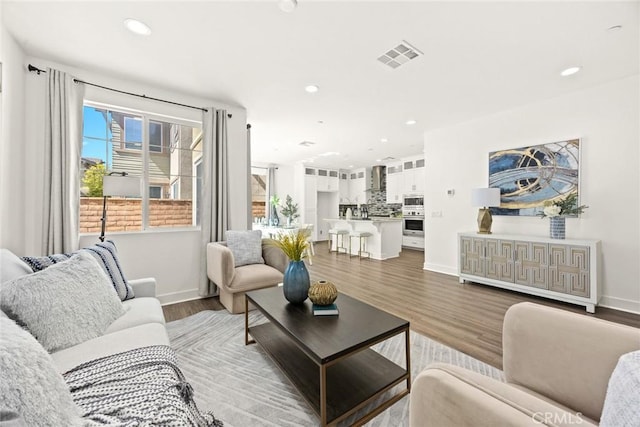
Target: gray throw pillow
{"x": 66, "y": 304}
{"x": 104, "y": 252}
{"x": 31, "y": 386}
{"x": 246, "y": 247}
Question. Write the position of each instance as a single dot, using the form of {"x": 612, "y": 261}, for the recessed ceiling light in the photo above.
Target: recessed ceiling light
{"x": 384, "y": 140}
{"x": 321, "y": 121}
{"x": 411, "y": 122}
{"x": 350, "y": 166}
{"x": 137, "y": 27}
{"x": 378, "y": 160}
{"x": 288, "y": 5}
{"x": 570, "y": 71}
{"x": 311, "y": 88}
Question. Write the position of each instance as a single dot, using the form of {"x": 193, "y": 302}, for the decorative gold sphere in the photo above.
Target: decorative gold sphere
{"x": 323, "y": 292}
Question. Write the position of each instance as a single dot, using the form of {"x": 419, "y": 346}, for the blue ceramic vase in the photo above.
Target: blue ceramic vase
{"x": 296, "y": 282}
{"x": 557, "y": 227}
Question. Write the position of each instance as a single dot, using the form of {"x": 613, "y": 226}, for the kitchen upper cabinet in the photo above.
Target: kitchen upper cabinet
{"x": 413, "y": 175}
{"x": 343, "y": 187}
{"x": 316, "y": 192}
{"x": 333, "y": 183}
{"x": 394, "y": 182}
{"x": 310, "y": 199}
{"x": 358, "y": 186}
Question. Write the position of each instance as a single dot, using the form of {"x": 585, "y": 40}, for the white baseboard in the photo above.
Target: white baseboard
{"x": 621, "y": 304}
{"x": 180, "y": 296}
{"x": 440, "y": 269}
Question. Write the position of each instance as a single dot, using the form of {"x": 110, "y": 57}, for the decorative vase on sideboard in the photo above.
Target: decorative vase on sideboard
{"x": 296, "y": 282}
{"x": 557, "y": 227}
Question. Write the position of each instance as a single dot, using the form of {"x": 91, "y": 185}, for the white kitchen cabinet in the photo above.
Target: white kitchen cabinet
{"x": 394, "y": 182}
{"x": 327, "y": 180}
{"x": 413, "y": 176}
{"x": 322, "y": 179}
{"x": 565, "y": 270}
{"x": 316, "y": 193}
{"x": 358, "y": 186}
{"x": 343, "y": 187}
{"x": 415, "y": 242}
{"x": 333, "y": 182}
{"x": 309, "y": 199}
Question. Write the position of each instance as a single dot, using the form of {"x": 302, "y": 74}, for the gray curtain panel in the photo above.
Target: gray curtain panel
{"x": 62, "y": 150}
{"x": 271, "y": 190}
{"x": 215, "y": 188}
{"x": 249, "y": 196}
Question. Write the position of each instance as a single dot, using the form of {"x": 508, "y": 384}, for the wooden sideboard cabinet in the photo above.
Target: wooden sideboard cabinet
{"x": 565, "y": 270}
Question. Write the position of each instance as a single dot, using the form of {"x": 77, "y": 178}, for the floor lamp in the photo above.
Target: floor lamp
{"x": 485, "y": 198}
{"x": 117, "y": 184}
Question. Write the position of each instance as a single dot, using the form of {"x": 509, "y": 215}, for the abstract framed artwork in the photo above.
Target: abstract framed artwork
{"x": 530, "y": 176}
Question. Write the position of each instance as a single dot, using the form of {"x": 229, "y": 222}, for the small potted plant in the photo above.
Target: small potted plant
{"x": 294, "y": 244}
{"x": 289, "y": 210}
{"x": 557, "y": 210}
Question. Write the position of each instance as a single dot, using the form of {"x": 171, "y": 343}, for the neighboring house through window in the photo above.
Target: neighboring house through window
{"x": 161, "y": 151}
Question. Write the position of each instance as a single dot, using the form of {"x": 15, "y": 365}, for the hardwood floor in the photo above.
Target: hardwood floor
{"x": 467, "y": 317}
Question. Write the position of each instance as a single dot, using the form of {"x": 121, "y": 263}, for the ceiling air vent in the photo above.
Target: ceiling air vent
{"x": 307, "y": 143}
{"x": 399, "y": 55}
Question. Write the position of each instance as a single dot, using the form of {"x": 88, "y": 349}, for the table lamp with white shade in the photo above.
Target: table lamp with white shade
{"x": 118, "y": 184}
{"x": 485, "y": 198}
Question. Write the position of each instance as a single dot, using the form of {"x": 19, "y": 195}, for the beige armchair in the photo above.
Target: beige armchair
{"x": 557, "y": 366}
{"x": 234, "y": 281}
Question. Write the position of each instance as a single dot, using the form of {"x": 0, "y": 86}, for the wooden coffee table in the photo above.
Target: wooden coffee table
{"x": 328, "y": 358}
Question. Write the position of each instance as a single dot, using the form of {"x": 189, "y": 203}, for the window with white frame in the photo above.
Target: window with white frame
{"x": 117, "y": 140}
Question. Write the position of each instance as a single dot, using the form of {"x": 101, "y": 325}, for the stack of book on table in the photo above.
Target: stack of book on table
{"x": 325, "y": 310}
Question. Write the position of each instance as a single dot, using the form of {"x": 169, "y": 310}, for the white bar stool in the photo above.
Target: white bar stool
{"x": 340, "y": 234}
{"x": 310, "y": 251}
{"x": 362, "y": 237}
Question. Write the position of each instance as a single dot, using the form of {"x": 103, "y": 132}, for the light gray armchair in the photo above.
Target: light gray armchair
{"x": 234, "y": 281}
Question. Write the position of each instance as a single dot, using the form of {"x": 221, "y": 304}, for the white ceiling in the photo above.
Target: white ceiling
{"x": 479, "y": 58}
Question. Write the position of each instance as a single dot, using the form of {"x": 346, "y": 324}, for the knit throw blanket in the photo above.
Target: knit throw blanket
{"x": 141, "y": 387}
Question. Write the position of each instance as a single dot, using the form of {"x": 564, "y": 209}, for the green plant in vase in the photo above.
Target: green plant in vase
{"x": 274, "y": 219}
{"x": 289, "y": 210}
{"x": 557, "y": 210}
{"x": 566, "y": 206}
{"x": 294, "y": 244}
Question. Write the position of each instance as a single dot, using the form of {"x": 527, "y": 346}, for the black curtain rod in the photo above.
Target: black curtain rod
{"x": 31, "y": 68}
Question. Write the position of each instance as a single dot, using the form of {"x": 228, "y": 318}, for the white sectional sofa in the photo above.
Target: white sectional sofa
{"x": 73, "y": 353}
{"x": 142, "y": 324}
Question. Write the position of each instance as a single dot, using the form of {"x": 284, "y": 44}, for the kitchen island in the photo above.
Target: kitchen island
{"x": 386, "y": 235}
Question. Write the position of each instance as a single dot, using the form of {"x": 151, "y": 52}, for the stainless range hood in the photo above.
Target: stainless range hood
{"x": 378, "y": 178}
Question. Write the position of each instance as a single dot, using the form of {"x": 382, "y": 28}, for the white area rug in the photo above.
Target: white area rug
{"x": 244, "y": 388}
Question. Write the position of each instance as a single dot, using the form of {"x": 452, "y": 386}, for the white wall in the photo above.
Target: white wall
{"x": 606, "y": 118}
{"x": 172, "y": 257}
{"x": 12, "y": 172}
{"x": 169, "y": 256}
{"x": 285, "y": 183}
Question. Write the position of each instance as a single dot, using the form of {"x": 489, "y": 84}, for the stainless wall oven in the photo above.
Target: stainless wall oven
{"x": 413, "y": 225}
